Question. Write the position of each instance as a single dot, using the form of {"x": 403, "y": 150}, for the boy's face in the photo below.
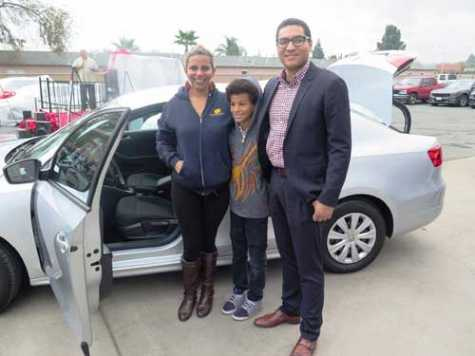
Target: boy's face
{"x": 242, "y": 108}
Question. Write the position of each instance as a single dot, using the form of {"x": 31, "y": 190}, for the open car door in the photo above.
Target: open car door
{"x": 369, "y": 77}
{"x": 67, "y": 220}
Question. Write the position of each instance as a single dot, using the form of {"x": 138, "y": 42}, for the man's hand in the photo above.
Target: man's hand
{"x": 178, "y": 166}
{"x": 321, "y": 212}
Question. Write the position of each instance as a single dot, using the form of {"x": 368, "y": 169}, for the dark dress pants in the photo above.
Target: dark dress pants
{"x": 300, "y": 245}
{"x": 88, "y": 95}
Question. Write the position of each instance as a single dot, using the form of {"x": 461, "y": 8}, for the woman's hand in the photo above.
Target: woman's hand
{"x": 178, "y": 166}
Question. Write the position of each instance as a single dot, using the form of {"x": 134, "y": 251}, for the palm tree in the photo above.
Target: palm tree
{"x": 186, "y": 38}
{"x": 230, "y": 48}
{"x": 126, "y": 43}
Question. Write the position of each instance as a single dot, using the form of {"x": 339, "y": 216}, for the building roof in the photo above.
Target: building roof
{"x": 46, "y": 58}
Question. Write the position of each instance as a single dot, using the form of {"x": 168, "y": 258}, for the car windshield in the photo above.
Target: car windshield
{"x": 408, "y": 81}
{"x": 47, "y": 146}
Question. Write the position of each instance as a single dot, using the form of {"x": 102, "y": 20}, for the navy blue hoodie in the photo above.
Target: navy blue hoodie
{"x": 202, "y": 143}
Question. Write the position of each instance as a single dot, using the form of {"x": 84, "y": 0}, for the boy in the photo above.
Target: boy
{"x": 249, "y": 203}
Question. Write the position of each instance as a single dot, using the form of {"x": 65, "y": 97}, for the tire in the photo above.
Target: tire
{"x": 371, "y": 237}
{"x": 412, "y": 99}
{"x": 433, "y": 104}
{"x": 11, "y": 276}
{"x": 463, "y": 100}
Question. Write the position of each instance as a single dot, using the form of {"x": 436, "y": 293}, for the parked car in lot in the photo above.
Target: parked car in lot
{"x": 471, "y": 99}
{"x": 16, "y": 95}
{"x": 92, "y": 201}
{"x": 455, "y": 93}
{"x": 414, "y": 89}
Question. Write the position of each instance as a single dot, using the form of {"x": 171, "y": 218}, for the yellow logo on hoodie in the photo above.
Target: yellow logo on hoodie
{"x": 217, "y": 112}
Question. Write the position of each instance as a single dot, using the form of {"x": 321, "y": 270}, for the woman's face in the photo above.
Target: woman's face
{"x": 199, "y": 71}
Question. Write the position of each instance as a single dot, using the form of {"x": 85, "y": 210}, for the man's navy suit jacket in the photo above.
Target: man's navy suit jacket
{"x": 317, "y": 145}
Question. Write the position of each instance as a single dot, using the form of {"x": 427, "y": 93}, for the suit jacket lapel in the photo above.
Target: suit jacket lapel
{"x": 268, "y": 98}
{"x": 304, "y": 86}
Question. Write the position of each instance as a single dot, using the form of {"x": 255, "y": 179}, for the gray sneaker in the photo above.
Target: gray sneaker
{"x": 233, "y": 303}
{"x": 247, "y": 309}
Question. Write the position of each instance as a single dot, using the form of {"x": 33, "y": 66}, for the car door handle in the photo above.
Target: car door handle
{"x": 61, "y": 242}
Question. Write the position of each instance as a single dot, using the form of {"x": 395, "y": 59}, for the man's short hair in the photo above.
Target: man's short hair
{"x": 199, "y": 50}
{"x": 242, "y": 86}
{"x": 294, "y": 22}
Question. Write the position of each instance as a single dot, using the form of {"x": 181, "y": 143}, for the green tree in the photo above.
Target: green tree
{"x": 318, "y": 51}
{"x": 230, "y": 47}
{"x": 470, "y": 62}
{"x": 391, "y": 39}
{"x": 186, "y": 38}
{"x": 53, "y": 23}
{"x": 126, "y": 43}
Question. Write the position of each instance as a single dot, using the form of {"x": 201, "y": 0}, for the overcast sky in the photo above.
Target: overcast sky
{"x": 436, "y": 30}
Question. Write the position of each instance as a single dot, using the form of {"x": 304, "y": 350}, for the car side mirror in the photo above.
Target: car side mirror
{"x": 26, "y": 171}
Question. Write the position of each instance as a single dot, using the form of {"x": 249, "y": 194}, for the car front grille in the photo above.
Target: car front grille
{"x": 440, "y": 95}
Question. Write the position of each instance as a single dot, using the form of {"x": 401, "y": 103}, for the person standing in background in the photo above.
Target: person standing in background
{"x": 86, "y": 68}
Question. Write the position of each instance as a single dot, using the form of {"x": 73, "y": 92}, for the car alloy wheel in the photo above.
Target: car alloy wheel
{"x": 353, "y": 237}
{"x": 412, "y": 99}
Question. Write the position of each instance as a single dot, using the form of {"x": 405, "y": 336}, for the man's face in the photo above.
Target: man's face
{"x": 293, "y": 57}
{"x": 83, "y": 54}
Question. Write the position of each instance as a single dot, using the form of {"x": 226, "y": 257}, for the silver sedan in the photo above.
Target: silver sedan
{"x": 92, "y": 201}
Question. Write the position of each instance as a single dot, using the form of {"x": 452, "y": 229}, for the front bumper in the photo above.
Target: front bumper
{"x": 445, "y": 100}
{"x": 401, "y": 98}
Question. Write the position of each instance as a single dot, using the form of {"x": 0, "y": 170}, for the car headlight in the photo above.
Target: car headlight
{"x": 402, "y": 91}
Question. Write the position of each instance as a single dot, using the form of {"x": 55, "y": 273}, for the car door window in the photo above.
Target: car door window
{"x": 78, "y": 161}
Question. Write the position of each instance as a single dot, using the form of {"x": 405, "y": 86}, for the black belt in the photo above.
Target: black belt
{"x": 280, "y": 171}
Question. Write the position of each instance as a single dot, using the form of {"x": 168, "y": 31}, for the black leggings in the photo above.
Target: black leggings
{"x": 199, "y": 217}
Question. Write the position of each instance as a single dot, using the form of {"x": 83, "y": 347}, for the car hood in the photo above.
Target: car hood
{"x": 403, "y": 87}
{"x": 449, "y": 90}
{"x": 369, "y": 77}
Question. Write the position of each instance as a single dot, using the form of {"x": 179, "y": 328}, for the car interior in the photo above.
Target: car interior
{"x": 136, "y": 204}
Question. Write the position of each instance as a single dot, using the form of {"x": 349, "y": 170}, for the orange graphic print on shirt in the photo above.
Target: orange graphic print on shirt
{"x": 245, "y": 173}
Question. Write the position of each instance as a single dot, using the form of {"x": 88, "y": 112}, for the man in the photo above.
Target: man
{"x": 85, "y": 68}
{"x": 304, "y": 149}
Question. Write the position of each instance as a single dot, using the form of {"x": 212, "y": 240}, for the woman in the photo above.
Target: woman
{"x": 193, "y": 139}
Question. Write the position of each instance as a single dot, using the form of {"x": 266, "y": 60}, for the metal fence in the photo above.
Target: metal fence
{"x": 58, "y": 95}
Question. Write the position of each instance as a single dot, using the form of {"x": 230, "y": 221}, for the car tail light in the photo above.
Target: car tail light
{"x": 435, "y": 155}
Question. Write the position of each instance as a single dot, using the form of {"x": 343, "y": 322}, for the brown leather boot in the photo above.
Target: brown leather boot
{"x": 205, "y": 303}
{"x": 191, "y": 281}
